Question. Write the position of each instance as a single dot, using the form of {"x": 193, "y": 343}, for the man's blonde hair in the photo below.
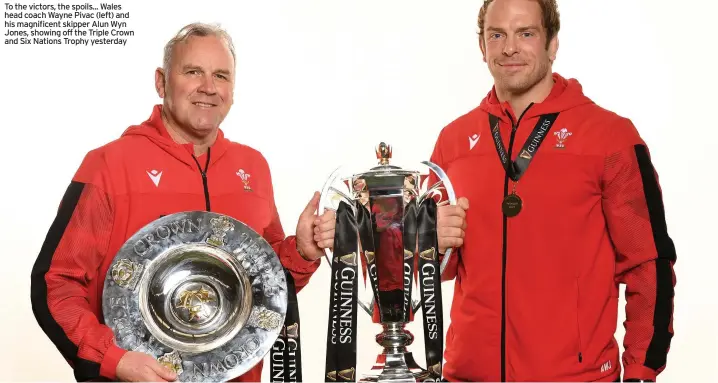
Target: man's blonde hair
{"x": 196, "y": 29}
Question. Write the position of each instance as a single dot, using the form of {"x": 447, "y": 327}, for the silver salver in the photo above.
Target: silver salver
{"x": 385, "y": 190}
{"x": 201, "y": 292}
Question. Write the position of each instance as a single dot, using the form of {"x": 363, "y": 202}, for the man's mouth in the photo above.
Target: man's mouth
{"x": 203, "y": 104}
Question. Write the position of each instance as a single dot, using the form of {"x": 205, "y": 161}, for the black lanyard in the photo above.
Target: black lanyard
{"x": 515, "y": 169}
{"x": 512, "y": 203}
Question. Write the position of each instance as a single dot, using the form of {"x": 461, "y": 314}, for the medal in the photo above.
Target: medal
{"x": 511, "y": 206}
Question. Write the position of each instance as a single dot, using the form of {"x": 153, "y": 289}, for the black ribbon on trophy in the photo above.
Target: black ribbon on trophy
{"x": 285, "y": 362}
{"x": 409, "y": 247}
{"x": 369, "y": 244}
{"x": 341, "y": 333}
{"x": 430, "y": 288}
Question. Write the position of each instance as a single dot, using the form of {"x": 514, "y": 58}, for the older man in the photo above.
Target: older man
{"x": 176, "y": 160}
{"x": 565, "y": 206}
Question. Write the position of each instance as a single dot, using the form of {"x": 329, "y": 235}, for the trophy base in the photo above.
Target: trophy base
{"x": 399, "y": 367}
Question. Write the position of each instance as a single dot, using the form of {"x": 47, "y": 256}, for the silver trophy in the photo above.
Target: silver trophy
{"x": 386, "y": 234}
{"x": 201, "y": 292}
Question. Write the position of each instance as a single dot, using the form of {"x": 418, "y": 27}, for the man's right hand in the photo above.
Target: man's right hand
{"x": 450, "y": 224}
{"x": 139, "y": 367}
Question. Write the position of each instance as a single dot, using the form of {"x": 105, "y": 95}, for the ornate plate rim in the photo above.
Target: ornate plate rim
{"x": 270, "y": 271}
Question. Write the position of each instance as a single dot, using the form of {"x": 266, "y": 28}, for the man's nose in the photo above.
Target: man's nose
{"x": 208, "y": 86}
{"x": 510, "y": 47}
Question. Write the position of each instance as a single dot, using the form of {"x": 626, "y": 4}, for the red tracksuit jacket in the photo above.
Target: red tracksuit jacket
{"x": 536, "y": 295}
{"x": 118, "y": 189}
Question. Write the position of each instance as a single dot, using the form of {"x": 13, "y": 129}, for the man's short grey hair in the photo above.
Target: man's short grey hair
{"x": 196, "y": 29}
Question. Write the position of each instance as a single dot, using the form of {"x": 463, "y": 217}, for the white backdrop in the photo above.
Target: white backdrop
{"x": 321, "y": 81}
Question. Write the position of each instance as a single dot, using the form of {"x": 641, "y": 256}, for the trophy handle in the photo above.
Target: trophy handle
{"x": 435, "y": 189}
{"x": 327, "y": 194}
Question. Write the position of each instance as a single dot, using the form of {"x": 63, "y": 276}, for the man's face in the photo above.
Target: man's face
{"x": 198, "y": 90}
{"x": 514, "y": 44}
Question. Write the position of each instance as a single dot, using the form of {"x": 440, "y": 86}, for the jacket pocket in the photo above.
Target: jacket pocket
{"x": 578, "y": 323}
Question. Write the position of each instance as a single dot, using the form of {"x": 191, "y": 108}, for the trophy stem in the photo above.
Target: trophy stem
{"x": 395, "y": 338}
{"x": 395, "y": 363}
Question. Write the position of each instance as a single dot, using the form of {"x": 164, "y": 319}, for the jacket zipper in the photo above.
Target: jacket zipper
{"x": 578, "y": 324}
{"x": 514, "y": 127}
{"x": 203, "y": 172}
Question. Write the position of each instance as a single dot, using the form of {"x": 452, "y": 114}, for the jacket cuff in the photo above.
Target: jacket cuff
{"x": 108, "y": 367}
{"x": 639, "y": 371}
{"x": 293, "y": 261}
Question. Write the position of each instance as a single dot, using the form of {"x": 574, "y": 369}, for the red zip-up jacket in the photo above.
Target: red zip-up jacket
{"x": 536, "y": 295}
{"x": 121, "y": 187}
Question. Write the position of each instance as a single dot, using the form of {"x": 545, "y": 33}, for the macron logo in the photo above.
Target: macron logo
{"x": 473, "y": 140}
{"x": 155, "y": 177}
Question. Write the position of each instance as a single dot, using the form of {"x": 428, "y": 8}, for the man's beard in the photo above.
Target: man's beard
{"x": 520, "y": 83}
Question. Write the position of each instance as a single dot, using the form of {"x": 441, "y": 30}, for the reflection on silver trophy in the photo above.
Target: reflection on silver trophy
{"x": 386, "y": 234}
{"x": 201, "y": 292}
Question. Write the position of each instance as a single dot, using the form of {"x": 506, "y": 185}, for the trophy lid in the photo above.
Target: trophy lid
{"x": 383, "y": 154}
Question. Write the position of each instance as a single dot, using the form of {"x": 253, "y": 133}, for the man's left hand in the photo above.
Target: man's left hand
{"x": 315, "y": 233}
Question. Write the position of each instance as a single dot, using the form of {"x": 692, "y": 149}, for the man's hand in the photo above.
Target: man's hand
{"x": 139, "y": 367}
{"x": 315, "y": 233}
{"x": 450, "y": 224}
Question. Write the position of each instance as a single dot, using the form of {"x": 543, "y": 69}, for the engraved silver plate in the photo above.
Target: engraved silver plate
{"x": 201, "y": 292}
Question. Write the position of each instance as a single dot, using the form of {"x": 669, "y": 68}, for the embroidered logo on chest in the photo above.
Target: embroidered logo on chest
{"x": 155, "y": 176}
{"x": 473, "y": 140}
{"x": 245, "y": 179}
{"x": 561, "y": 137}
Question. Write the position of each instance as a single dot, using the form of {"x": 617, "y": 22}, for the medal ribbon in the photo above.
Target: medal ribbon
{"x": 515, "y": 169}
{"x": 286, "y": 353}
{"x": 341, "y": 332}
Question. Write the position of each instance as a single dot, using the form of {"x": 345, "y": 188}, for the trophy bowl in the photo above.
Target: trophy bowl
{"x": 386, "y": 233}
{"x": 201, "y": 292}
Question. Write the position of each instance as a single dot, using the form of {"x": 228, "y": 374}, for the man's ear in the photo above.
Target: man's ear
{"x": 553, "y": 48}
{"x": 482, "y": 45}
{"x": 160, "y": 82}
